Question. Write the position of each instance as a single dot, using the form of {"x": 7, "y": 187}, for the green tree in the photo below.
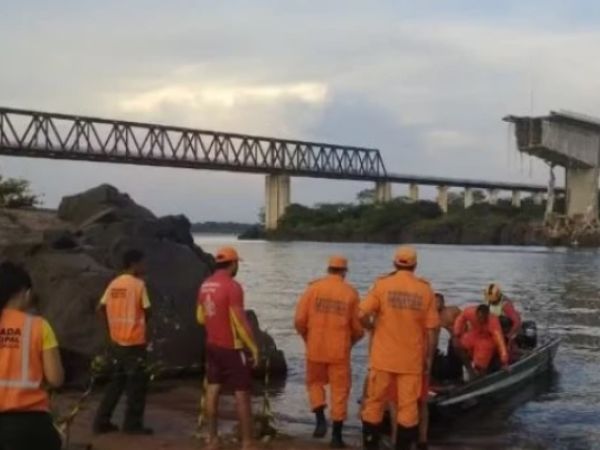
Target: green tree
{"x": 366, "y": 197}
{"x": 16, "y": 193}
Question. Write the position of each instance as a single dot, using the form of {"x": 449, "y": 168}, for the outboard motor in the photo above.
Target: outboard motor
{"x": 527, "y": 337}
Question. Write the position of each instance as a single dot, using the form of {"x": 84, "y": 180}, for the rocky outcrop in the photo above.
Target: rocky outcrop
{"x": 74, "y": 254}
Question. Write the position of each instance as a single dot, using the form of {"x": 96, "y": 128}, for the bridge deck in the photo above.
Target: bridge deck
{"x": 37, "y": 134}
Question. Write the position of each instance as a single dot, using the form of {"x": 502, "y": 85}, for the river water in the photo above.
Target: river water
{"x": 558, "y": 288}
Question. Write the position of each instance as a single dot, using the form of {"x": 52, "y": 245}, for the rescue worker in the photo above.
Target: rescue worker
{"x": 29, "y": 360}
{"x": 503, "y": 308}
{"x": 447, "y": 367}
{"x": 441, "y": 365}
{"x": 231, "y": 351}
{"x": 404, "y": 339}
{"x": 327, "y": 319}
{"x": 480, "y": 336}
{"x": 125, "y": 306}
{"x": 448, "y": 314}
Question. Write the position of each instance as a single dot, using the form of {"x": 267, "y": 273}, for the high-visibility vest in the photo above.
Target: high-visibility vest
{"x": 126, "y": 318}
{"x": 497, "y": 309}
{"x": 21, "y": 365}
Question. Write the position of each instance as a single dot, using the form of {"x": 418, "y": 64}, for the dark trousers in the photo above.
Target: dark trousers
{"x": 128, "y": 375}
{"x": 28, "y": 431}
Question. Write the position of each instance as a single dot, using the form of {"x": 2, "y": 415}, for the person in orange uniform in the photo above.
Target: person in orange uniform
{"x": 126, "y": 308}
{"x": 503, "y": 308}
{"x": 231, "y": 350}
{"x": 404, "y": 339}
{"x": 29, "y": 360}
{"x": 480, "y": 335}
{"x": 327, "y": 320}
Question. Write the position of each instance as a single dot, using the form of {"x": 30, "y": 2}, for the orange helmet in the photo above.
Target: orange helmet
{"x": 227, "y": 254}
{"x": 405, "y": 257}
{"x": 338, "y": 262}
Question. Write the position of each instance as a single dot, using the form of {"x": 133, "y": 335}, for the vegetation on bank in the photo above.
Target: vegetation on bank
{"x": 221, "y": 227}
{"x": 423, "y": 222}
{"x": 16, "y": 193}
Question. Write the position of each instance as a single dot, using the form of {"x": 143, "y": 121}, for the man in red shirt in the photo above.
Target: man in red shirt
{"x": 231, "y": 350}
{"x": 479, "y": 334}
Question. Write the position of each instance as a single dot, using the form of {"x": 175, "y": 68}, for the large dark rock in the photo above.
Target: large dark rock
{"x": 270, "y": 355}
{"x": 72, "y": 262}
{"x": 80, "y": 207}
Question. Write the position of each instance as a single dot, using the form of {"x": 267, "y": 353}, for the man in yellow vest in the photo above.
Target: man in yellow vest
{"x": 29, "y": 362}
{"x": 126, "y": 307}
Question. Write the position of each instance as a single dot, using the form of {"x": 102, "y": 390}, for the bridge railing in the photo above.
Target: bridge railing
{"x": 61, "y": 136}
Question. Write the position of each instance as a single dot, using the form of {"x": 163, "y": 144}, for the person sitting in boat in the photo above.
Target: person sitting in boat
{"x": 503, "y": 308}
{"x": 447, "y": 367}
{"x": 479, "y": 337}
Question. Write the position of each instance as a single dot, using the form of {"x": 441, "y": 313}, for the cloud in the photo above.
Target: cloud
{"x": 426, "y": 83}
{"x": 440, "y": 140}
{"x": 202, "y": 96}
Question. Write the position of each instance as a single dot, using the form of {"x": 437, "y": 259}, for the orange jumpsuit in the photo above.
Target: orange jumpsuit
{"x": 405, "y": 310}
{"x": 327, "y": 320}
{"x": 480, "y": 340}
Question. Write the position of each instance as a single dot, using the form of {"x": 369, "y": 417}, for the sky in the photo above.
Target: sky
{"x": 426, "y": 82}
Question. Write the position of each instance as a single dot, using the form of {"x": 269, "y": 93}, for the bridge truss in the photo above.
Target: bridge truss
{"x": 60, "y": 136}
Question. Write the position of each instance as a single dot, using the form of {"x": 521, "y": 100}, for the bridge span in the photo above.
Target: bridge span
{"x": 36, "y": 134}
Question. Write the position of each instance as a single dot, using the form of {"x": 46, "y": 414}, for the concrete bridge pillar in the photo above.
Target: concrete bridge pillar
{"x": 442, "y": 198}
{"x": 469, "y": 197}
{"x": 493, "y": 196}
{"x": 277, "y": 199}
{"x": 516, "y": 199}
{"x": 582, "y": 192}
{"x": 413, "y": 192}
{"x": 538, "y": 198}
{"x": 383, "y": 191}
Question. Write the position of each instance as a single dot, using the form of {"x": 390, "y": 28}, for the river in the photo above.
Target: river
{"x": 558, "y": 288}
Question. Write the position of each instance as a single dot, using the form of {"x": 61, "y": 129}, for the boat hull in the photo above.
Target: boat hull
{"x": 497, "y": 384}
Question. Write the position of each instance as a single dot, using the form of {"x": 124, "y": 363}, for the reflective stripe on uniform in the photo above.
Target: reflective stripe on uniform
{"x": 23, "y": 382}
{"x": 497, "y": 309}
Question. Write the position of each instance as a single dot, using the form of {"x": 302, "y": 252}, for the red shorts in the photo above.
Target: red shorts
{"x": 229, "y": 368}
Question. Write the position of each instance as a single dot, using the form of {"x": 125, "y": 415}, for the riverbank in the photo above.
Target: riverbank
{"x": 172, "y": 413}
{"x": 421, "y": 222}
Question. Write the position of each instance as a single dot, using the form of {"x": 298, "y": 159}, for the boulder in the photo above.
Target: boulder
{"x": 80, "y": 207}
{"x": 269, "y": 353}
{"x": 74, "y": 258}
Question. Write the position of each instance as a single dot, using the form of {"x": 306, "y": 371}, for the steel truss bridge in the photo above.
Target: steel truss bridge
{"x": 38, "y": 134}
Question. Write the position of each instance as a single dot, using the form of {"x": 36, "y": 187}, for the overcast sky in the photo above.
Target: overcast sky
{"x": 426, "y": 82}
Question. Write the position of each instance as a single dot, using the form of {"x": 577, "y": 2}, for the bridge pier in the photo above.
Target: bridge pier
{"x": 442, "y": 198}
{"x": 493, "y": 196}
{"x": 538, "y": 198}
{"x": 516, "y": 199}
{"x": 383, "y": 191}
{"x": 582, "y": 191}
{"x": 469, "y": 197}
{"x": 277, "y": 199}
{"x": 413, "y": 192}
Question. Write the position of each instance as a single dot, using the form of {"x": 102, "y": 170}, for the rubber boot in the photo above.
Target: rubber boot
{"x": 370, "y": 436}
{"x": 336, "y": 435}
{"x": 405, "y": 437}
{"x": 321, "y": 425}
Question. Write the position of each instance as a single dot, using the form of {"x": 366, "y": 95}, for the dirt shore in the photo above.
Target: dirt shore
{"x": 172, "y": 413}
